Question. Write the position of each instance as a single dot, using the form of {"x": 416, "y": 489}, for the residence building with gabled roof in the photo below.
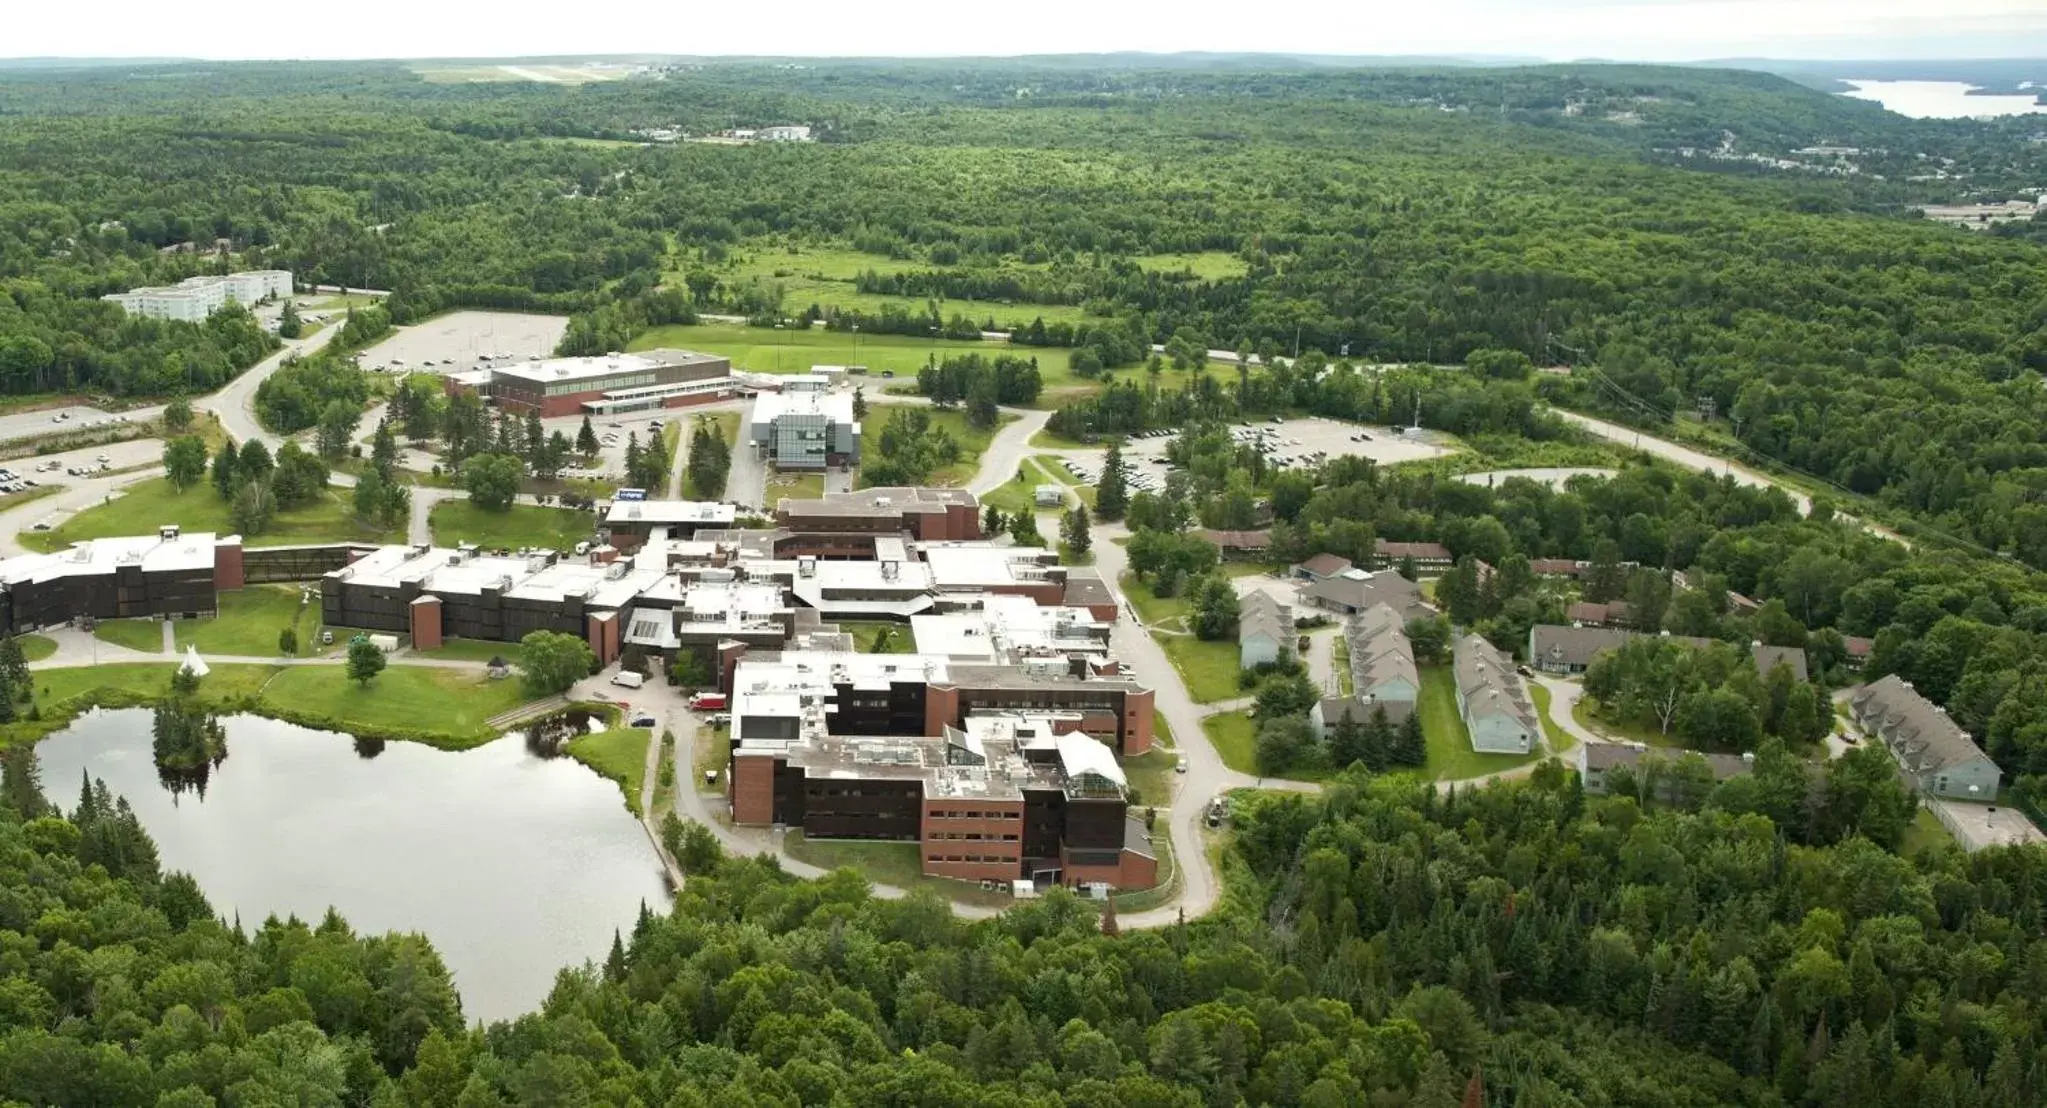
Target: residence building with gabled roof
{"x": 1934, "y": 753}
{"x": 1265, "y": 629}
{"x": 1491, "y": 700}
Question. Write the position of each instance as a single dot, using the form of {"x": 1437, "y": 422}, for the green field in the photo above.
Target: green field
{"x": 1450, "y": 755}
{"x": 825, "y": 277}
{"x": 523, "y": 525}
{"x": 1925, "y": 832}
{"x": 973, "y": 441}
{"x": 1234, "y": 737}
{"x": 145, "y": 635}
{"x": 618, "y": 755}
{"x": 1152, "y": 779}
{"x": 1586, "y": 712}
{"x": 444, "y": 707}
{"x": 453, "y": 702}
{"x": 788, "y": 350}
{"x": 1208, "y": 669}
{"x": 146, "y": 505}
{"x": 35, "y": 648}
{"x": 1151, "y": 608}
{"x": 1211, "y": 265}
{"x": 249, "y": 621}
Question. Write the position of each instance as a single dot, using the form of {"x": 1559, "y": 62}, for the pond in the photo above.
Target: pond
{"x": 514, "y": 865}
{"x": 1942, "y": 99}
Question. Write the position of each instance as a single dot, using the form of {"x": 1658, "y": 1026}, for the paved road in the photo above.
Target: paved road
{"x": 1707, "y": 463}
{"x": 1007, "y": 450}
{"x": 235, "y": 403}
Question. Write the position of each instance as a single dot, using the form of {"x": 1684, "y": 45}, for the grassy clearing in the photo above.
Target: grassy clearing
{"x": 1151, "y": 608}
{"x": 1451, "y": 757}
{"x": 1339, "y": 660}
{"x": 145, "y": 635}
{"x": 868, "y": 637}
{"x": 795, "y": 486}
{"x": 1209, "y": 265}
{"x": 1925, "y": 832}
{"x": 973, "y": 441}
{"x": 146, "y": 505}
{"x": 459, "y": 521}
{"x": 825, "y": 277}
{"x": 1587, "y": 712}
{"x": 618, "y": 755}
{"x": 1234, "y": 737}
{"x": 889, "y": 863}
{"x": 455, "y": 702}
{"x": 35, "y": 648}
{"x": 1019, "y": 493}
{"x": 788, "y": 350}
{"x": 1208, "y": 669}
{"x": 1560, "y": 740}
{"x": 249, "y": 622}
{"x": 1047, "y": 439}
{"x": 1152, "y": 779}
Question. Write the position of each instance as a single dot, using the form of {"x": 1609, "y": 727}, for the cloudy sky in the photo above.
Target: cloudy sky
{"x": 1673, "y": 30}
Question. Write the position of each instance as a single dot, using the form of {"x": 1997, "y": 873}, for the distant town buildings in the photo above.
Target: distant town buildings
{"x": 194, "y": 298}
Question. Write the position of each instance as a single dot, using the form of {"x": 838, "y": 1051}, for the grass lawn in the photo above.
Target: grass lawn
{"x": 145, "y": 635}
{"x": 1450, "y": 755}
{"x": 1014, "y": 495}
{"x": 35, "y": 648}
{"x": 888, "y": 863}
{"x": 795, "y": 486}
{"x": 459, "y": 521}
{"x": 1151, "y": 608}
{"x": 1586, "y": 712}
{"x": 787, "y": 350}
{"x": 249, "y": 622}
{"x": 1559, "y": 739}
{"x": 1209, "y": 265}
{"x": 1162, "y": 732}
{"x": 1234, "y": 737}
{"x": 472, "y": 650}
{"x": 867, "y": 633}
{"x": 710, "y": 752}
{"x": 619, "y": 755}
{"x": 1339, "y": 660}
{"x": 1209, "y": 669}
{"x": 1925, "y": 832}
{"x": 1152, "y": 779}
{"x": 443, "y": 707}
{"x": 825, "y": 276}
{"x": 973, "y": 441}
{"x": 147, "y": 504}
{"x": 402, "y": 699}
{"x": 1048, "y": 439}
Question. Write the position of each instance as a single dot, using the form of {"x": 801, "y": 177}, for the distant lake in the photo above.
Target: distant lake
{"x": 513, "y": 865}
{"x": 1941, "y": 99}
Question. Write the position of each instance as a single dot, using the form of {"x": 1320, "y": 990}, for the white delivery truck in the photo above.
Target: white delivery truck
{"x": 628, "y": 679}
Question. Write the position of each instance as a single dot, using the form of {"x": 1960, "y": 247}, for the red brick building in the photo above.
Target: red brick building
{"x": 601, "y": 385}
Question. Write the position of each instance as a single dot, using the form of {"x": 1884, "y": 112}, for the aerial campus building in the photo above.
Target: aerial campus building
{"x": 168, "y": 574}
{"x": 603, "y": 385}
{"x": 1000, "y": 773}
{"x": 807, "y": 425}
{"x": 195, "y": 298}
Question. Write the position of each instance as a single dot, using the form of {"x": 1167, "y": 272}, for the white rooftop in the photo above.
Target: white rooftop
{"x": 1009, "y": 628}
{"x": 441, "y": 570}
{"x": 770, "y": 406}
{"x": 100, "y": 556}
{"x": 670, "y": 512}
{"x": 555, "y": 370}
{"x": 975, "y": 566}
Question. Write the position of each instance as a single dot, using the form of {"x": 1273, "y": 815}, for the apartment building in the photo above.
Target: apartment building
{"x": 194, "y": 298}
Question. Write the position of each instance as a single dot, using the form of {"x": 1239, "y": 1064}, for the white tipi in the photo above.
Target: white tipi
{"x": 193, "y": 664}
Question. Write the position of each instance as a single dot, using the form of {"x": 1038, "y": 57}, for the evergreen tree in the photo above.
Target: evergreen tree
{"x": 1409, "y": 748}
{"x": 1112, "y": 494}
{"x": 14, "y": 666}
{"x": 1073, "y": 531}
{"x": 586, "y": 439}
{"x": 614, "y": 962}
{"x": 993, "y": 522}
{"x": 21, "y": 782}
{"x": 225, "y": 479}
{"x": 536, "y": 439}
{"x": 859, "y": 402}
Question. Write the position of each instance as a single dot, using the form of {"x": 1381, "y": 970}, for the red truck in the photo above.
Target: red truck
{"x": 707, "y": 702}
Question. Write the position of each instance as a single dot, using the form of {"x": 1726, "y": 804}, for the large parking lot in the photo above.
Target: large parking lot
{"x": 460, "y": 340}
{"x": 1298, "y": 442}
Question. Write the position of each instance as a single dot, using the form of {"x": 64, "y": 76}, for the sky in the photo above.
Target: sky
{"x": 1647, "y": 30}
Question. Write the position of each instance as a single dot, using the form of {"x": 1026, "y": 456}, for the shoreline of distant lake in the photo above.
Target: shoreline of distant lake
{"x": 1942, "y": 99}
